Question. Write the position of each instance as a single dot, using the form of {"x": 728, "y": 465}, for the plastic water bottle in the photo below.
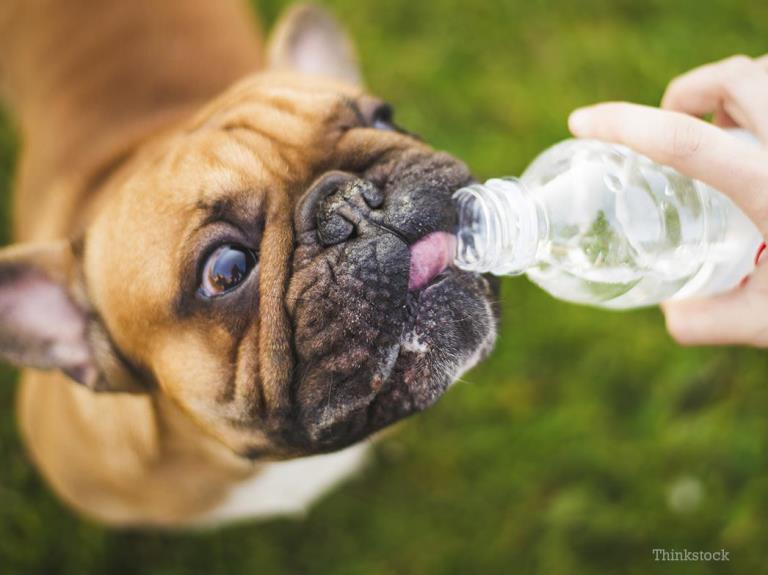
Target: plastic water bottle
{"x": 598, "y": 224}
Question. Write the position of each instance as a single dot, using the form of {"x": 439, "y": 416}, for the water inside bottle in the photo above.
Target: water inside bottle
{"x": 624, "y": 231}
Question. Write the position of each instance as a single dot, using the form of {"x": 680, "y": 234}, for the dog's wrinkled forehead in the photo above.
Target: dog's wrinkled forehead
{"x": 293, "y": 125}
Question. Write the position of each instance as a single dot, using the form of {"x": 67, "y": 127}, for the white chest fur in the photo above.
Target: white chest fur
{"x": 287, "y": 487}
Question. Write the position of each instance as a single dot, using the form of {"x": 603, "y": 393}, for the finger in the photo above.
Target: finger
{"x": 722, "y": 119}
{"x": 737, "y": 85}
{"x": 691, "y": 146}
{"x": 737, "y": 317}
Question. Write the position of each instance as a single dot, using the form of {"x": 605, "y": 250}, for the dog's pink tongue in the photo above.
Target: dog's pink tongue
{"x": 429, "y": 256}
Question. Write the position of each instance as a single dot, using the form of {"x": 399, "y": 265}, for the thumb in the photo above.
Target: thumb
{"x": 739, "y": 316}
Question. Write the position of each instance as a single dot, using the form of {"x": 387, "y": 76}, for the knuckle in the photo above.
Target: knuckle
{"x": 676, "y": 84}
{"x": 739, "y": 62}
{"x": 673, "y": 88}
{"x": 746, "y": 78}
{"x": 682, "y": 139}
{"x": 732, "y": 88}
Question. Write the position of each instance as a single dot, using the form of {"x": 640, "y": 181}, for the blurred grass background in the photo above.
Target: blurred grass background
{"x": 588, "y": 438}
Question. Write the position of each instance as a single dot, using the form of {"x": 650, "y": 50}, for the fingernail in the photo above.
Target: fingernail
{"x": 579, "y": 120}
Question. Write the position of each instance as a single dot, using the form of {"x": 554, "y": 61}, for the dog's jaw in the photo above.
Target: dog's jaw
{"x": 429, "y": 361}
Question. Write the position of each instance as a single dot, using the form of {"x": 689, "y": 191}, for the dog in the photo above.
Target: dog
{"x": 230, "y": 267}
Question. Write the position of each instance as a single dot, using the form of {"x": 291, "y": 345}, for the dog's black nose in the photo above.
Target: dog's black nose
{"x": 335, "y": 205}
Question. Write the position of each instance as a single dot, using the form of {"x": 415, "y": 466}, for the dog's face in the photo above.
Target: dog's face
{"x": 277, "y": 267}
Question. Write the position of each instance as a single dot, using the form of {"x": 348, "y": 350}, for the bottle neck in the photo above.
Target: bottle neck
{"x": 500, "y": 227}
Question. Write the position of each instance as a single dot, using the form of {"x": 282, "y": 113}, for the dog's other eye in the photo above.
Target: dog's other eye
{"x": 382, "y": 118}
{"x": 225, "y": 269}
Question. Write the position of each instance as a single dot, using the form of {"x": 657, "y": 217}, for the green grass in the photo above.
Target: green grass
{"x": 588, "y": 438}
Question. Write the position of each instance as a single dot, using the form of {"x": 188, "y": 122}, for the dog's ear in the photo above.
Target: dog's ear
{"x": 308, "y": 40}
{"x": 45, "y": 321}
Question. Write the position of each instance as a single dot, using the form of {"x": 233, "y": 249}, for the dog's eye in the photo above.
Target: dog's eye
{"x": 383, "y": 118}
{"x": 225, "y": 269}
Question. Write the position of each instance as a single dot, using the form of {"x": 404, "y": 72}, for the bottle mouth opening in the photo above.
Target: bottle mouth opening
{"x": 497, "y": 228}
{"x": 472, "y": 237}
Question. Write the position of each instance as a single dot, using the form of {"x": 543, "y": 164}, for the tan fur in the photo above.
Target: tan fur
{"x": 120, "y": 152}
{"x": 83, "y": 103}
{"x": 89, "y": 80}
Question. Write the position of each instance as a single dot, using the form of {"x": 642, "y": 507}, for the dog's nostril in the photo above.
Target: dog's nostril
{"x": 336, "y": 218}
{"x": 308, "y": 208}
{"x": 333, "y": 228}
{"x": 372, "y": 195}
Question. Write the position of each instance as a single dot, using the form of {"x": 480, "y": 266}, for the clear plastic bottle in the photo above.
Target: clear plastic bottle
{"x": 598, "y": 224}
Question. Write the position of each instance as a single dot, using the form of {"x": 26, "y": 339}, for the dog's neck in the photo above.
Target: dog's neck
{"x": 89, "y": 80}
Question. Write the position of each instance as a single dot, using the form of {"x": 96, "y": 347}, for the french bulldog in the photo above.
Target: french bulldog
{"x": 231, "y": 266}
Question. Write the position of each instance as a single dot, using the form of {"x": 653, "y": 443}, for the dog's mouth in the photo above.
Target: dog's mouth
{"x": 384, "y": 323}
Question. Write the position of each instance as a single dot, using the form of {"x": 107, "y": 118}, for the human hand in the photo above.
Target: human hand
{"x": 735, "y": 91}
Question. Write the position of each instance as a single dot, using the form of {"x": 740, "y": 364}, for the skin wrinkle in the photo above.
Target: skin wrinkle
{"x": 276, "y": 169}
{"x": 137, "y": 373}
{"x": 226, "y": 393}
{"x": 247, "y": 379}
{"x": 238, "y": 133}
{"x": 275, "y": 142}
